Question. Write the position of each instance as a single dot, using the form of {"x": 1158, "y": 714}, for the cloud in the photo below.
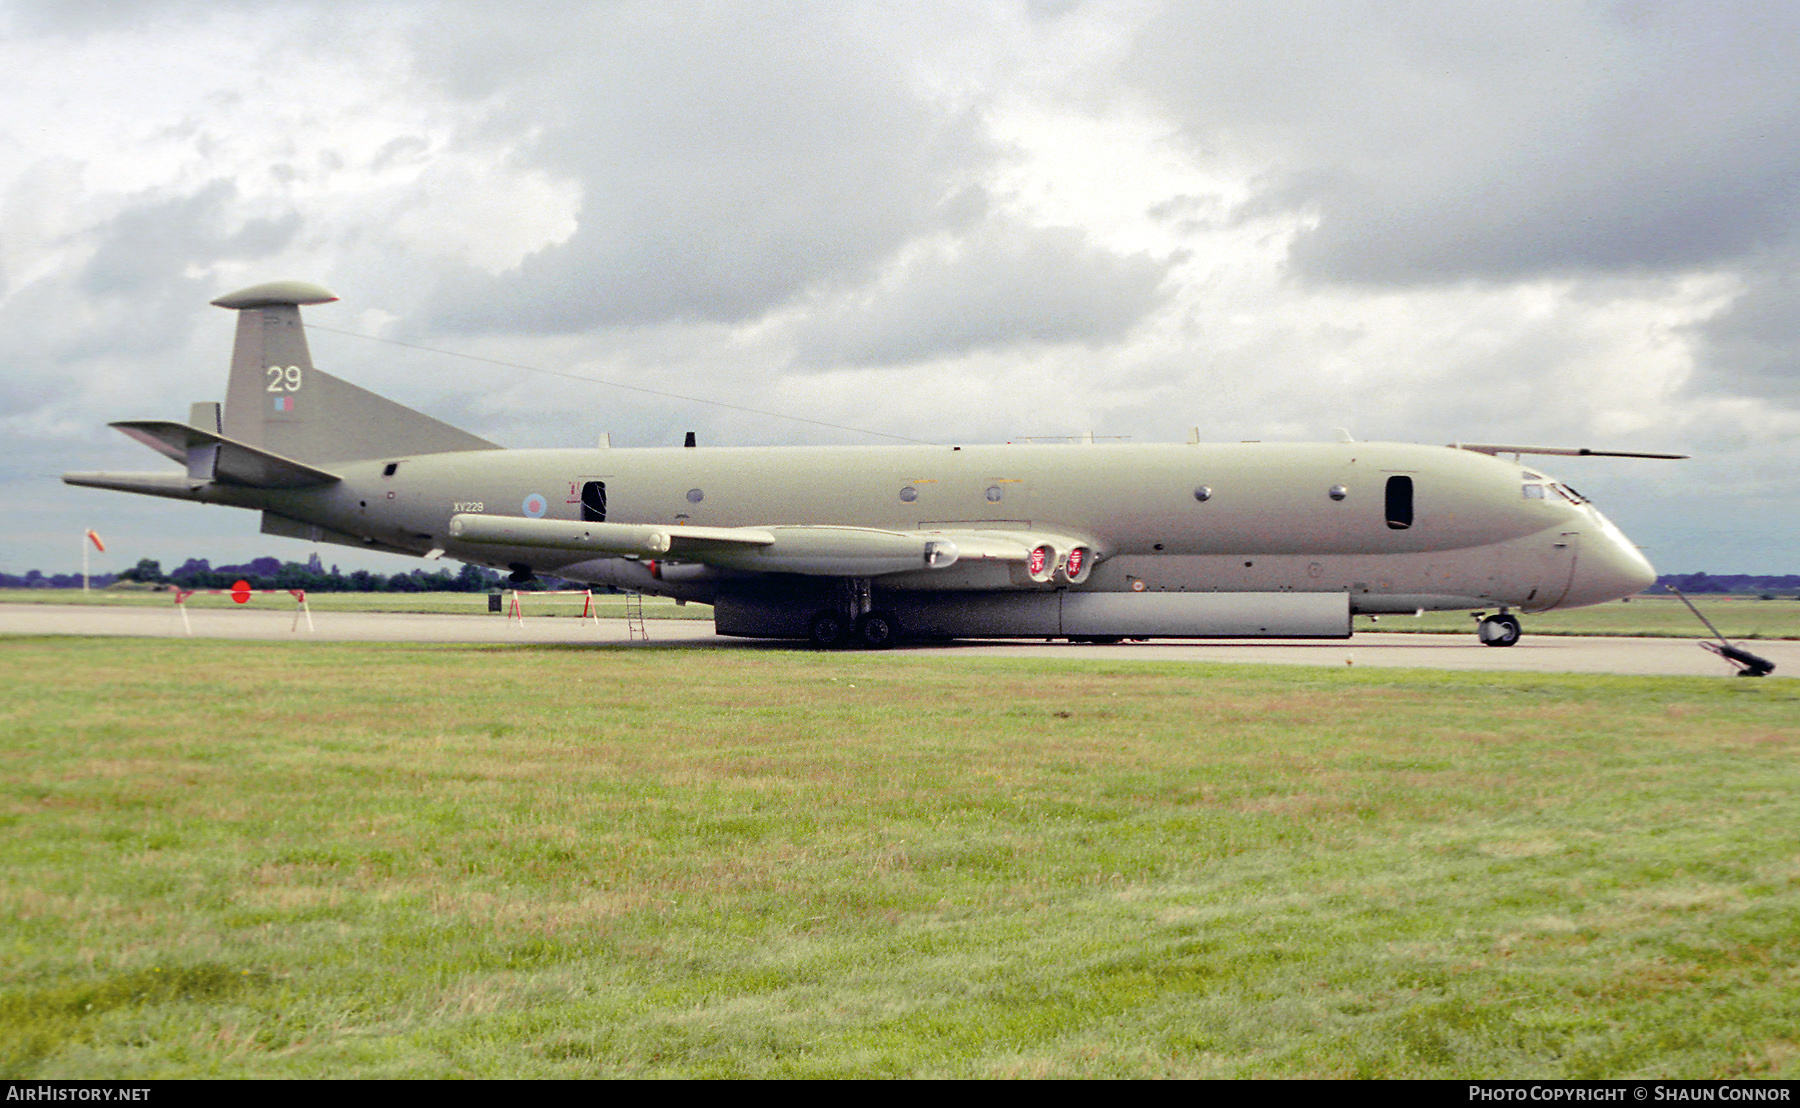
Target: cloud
{"x": 1498, "y": 142}
{"x": 728, "y": 157}
{"x": 102, "y": 327}
{"x": 147, "y": 250}
{"x": 1752, "y": 349}
{"x": 1003, "y": 285}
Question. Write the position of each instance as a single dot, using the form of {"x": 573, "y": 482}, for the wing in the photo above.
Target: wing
{"x": 813, "y": 550}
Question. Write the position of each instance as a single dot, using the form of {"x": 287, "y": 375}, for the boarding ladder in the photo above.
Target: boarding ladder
{"x": 634, "y": 617}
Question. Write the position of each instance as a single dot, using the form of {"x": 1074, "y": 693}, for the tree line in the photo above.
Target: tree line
{"x": 1728, "y": 582}
{"x": 272, "y": 573}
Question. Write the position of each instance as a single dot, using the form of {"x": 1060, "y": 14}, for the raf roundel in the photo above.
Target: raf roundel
{"x": 535, "y": 506}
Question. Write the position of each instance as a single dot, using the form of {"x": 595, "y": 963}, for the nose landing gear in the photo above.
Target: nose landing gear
{"x": 1499, "y": 630}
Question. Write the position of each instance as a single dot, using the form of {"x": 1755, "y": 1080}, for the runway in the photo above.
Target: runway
{"x": 1533, "y": 654}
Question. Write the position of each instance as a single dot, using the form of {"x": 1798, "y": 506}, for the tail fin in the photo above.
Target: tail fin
{"x": 277, "y": 401}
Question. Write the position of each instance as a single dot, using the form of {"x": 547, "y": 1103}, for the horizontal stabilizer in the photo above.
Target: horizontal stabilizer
{"x": 1570, "y": 451}
{"x": 232, "y": 463}
{"x": 175, "y": 486}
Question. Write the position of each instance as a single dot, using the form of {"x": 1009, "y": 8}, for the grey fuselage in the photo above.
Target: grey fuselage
{"x": 1103, "y": 541}
{"x": 1268, "y": 523}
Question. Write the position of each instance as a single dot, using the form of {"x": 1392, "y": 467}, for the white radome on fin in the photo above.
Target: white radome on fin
{"x": 273, "y": 293}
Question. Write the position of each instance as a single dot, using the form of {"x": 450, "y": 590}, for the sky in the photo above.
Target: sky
{"x": 1563, "y": 224}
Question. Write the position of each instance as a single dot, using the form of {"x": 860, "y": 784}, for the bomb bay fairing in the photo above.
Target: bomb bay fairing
{"x": 869, "y": 544}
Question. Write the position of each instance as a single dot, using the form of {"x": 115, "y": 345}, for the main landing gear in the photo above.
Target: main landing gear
{"x": 827, "y": 630}
{"x": 862, "y": 624}
{"x": 878, "y": 630}
{"x": 1498, "y": 630}
{"x": 874, "y": 630}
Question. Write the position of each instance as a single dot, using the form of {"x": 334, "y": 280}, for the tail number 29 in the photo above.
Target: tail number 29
{"x": 284, "y": 380}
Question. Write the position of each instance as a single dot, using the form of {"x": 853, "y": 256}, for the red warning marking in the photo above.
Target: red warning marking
{"x": 1075, "y": 558}
{"x": 1039, "y": 557}
{"x": 181, "y": 594}
{"x": 240, "y": 591}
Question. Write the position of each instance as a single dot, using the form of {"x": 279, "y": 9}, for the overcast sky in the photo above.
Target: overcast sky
{"x": 1553, "y": 223}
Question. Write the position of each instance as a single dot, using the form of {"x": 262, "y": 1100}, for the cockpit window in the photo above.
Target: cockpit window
{"x": 1532, "y": 491}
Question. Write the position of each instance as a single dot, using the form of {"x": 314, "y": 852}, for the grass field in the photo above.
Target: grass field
{"x": 248, "y": 859}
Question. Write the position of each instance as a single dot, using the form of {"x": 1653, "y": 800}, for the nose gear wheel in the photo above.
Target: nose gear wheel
{"x": 1500, "y": 630}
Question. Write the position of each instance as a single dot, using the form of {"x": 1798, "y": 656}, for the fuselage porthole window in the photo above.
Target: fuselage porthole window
{"x": 994, "y": 494}
{"x": 1203, "y": 493}
{"x": 1399, "y": 502}
{"x": 909, "y": 494}
{"x": 695, "y": 496}
{"x": 1337, "y": 492}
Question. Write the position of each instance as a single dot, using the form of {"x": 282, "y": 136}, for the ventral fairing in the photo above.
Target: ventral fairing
{"x": 869, "y": 545}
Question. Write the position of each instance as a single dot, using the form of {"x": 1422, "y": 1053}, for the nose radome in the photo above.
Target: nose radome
{"x": 1608, "y": 567}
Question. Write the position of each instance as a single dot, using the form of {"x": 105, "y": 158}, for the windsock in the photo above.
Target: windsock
{"x": 94, "y": 538}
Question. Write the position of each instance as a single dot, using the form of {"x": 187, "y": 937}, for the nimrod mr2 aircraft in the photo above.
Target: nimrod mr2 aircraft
{"x": 867, "y": 545}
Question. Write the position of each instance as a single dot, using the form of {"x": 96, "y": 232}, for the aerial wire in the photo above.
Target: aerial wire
{"x": 619, "y": 385}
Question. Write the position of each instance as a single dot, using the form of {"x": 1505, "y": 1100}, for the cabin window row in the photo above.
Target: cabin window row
{"x": 995, "y": 494}
{"x": 1399, "y": 498}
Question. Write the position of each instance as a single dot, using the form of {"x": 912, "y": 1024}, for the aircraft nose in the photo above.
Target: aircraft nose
{"x": 1607, "y": 568}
